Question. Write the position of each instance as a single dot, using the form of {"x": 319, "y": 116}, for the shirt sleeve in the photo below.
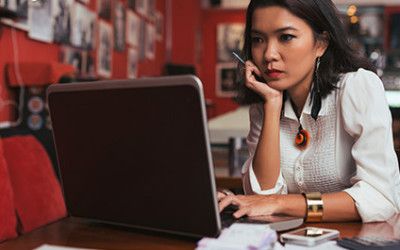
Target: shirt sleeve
{"x": 367, "y": 118}
{"x": 250, "y": 182}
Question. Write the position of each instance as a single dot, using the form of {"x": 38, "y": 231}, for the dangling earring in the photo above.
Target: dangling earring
{"x": 316, "y": 74}
{"x": 316, "y": 91}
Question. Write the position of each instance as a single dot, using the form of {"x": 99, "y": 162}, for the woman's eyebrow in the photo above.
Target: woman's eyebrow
{"x": 280, "y": 30}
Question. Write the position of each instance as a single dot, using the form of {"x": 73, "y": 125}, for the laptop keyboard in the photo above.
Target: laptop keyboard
{"x": 227, "y": 218}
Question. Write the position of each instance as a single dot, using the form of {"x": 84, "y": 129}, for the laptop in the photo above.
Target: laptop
{"x": 137, "y": 153}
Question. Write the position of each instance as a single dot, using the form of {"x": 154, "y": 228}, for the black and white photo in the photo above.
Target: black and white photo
{"x": 132, "y": 63}
{"x": 151, "y": 9}
{"x": 141, "y": 7}
{"x": 20, "y": 7}
{"x": 142, "y": 40}
{"x": 226, "y": 79}
{"x": 83, "y": 28}
{"x": 119, "y": 26}
{"x": 229, "y": 39}
{"x": 132, "y": 29}
{"x": 40, "y": 21}
{"x": 104, "y": 50}
{"x": 62, "y": 20}
{"x": 159, "y": 23}
{"x": 150, "y": 41}
{"x": 132, "y": 4}
{"x": 104, "y": 9}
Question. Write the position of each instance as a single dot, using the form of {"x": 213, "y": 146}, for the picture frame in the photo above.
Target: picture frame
{"x": 71, "y": 56}
{"x": 119, "y": 18}
{"x": 159, "y": 24}
{"x": 150, "y": 41}
{"x": 151, "y": 9}
{"x": 39, "y": 21}
{"x": 132, "y": 29}
{"x": 230, "y": 38}
{"x": 142, "y": 40}
{"x": 131, "y": 4}
{"x": 21, "y": 10}
{"x": 104, "y": 50}
{"x": 132, "y": 64}
{"x": 141, "y": 7}
{"x": 104, "y": 9}
{"x": 83, "y": 28}
{"x": 226, "y": 84}
{"x": 62, "y": 20}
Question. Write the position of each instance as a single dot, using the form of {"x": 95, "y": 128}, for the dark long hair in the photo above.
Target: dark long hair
{"x": 340, "y": 57}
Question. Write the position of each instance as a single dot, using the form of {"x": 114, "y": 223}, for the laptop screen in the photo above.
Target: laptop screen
{"x": 136, "y": 152}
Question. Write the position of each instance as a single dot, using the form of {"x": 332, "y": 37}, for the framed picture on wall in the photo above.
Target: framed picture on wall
{"x": 132, "y": 4}
{"x": 132, "y": 63}
{"x": 142, "y": 40}
{"x": 229, "y": 39}
{"x": 83, "y": 27}
{"x": 71, "y": 56}
{"x": 151, "y": 8}
{"x": 104, "y": 50}
{"x": 104, "y": 9}
{"x": 226, "y": 84}
{"x": 150, "y": 41}
{"x": 159, "y": 23}
{"x": 132, "y": 28}
{"x": 141, "y": 7}
{"x": 226, "y": 4}
{"x": 39, "y": 21}
{"x": 21, "y": 9}
{"x": 62, "y": 20}
{"x": 119, "y": 26}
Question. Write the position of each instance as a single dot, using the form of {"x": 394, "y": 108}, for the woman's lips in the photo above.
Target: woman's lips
{"x": 273, "y": 73}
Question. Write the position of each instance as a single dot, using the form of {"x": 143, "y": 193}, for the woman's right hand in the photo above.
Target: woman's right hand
{"x": 261, "y": 88}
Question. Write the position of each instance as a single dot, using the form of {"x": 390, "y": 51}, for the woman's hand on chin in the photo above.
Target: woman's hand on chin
{"x": 253, "y": 75}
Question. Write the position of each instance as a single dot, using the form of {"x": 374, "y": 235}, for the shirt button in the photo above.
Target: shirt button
{"x": 298, "y": 167}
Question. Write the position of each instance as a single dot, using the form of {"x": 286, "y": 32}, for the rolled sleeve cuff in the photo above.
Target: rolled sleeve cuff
{"x": 371, "y": 206}
{"x": 251, "y": 185}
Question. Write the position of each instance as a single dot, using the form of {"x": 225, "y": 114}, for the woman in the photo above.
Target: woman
{"x": 319, "y": 120}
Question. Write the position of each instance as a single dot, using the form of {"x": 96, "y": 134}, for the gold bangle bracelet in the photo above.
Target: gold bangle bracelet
{"x": 315, "y": 207}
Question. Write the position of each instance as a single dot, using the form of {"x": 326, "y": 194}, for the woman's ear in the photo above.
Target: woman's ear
{"x": 322, "y": 43}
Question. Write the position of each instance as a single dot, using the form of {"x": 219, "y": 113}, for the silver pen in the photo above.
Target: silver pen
{"x": 258, "y": 78}
{"x": 238, "y": 57}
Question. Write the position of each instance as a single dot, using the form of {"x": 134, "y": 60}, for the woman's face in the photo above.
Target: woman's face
{"x": 283, "y": 48}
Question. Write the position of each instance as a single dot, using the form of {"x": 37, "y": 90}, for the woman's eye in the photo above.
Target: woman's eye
{"x": 287, "y": 37}
{"x": 256, "y": 40}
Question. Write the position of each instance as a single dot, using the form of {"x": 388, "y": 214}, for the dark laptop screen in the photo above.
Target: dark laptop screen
{"x": 135, "y": 155}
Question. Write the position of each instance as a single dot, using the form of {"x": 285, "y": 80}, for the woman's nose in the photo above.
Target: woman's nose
{"x": 271, "y": 52}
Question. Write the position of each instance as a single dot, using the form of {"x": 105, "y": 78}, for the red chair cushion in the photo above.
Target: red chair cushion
{"x": 37, "y": 193}
{"x": 8, "y": 220}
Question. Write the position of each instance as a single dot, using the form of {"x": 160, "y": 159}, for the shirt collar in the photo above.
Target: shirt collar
{"x": 288, "y": 111}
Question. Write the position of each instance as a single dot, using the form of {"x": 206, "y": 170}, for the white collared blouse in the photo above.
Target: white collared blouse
{"x": 350, "y": 148}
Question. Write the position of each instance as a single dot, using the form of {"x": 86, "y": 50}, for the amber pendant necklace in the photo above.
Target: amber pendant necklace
{"x": 302, "y": 137}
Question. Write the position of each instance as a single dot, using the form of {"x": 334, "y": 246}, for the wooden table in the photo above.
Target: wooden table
{"x": 81, "y": 233}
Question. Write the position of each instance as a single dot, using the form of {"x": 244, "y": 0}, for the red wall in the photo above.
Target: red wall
{"x": 189, "y": 23}
{"x": 192, "y": 41}
{"x": 186, "y": 21}
{"x": 210, "y": 20}
{"x": 24, "y": 50}
{"x": 29, "y": 50}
